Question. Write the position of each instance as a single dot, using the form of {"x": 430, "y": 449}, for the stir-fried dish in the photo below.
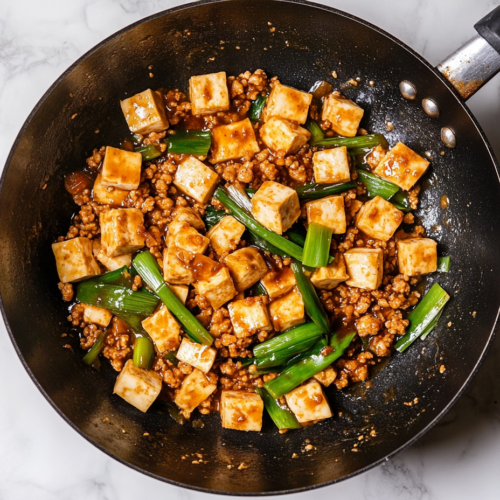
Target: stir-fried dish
{"x": 247, "y": 246}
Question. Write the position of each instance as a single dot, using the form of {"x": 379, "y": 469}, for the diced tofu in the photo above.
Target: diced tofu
{"x": 379, "y": 218}
{"x": 308, "y": 402}
{"x": 247, "y": 266}
{"x": 121, "y": 231}
{"x": 208, "y": 93}
{"x": 198, "y": 355}
{"x": 328, "y": 212}
{"x": 110, "y": 263}
{"x": 275, "y": 206}
{"x": 287, "y": 311}
{"x": 182, "y": 291}
{"x": 108, "y": 195}
{"x": 74, "y": 260}
{"x": 417, "y": 256}
{"x": 121, "y": 169}
{"x": 402, "y": 166}
{"x": 241, "y": 410}
{"x": 138, "y": 386}
{"x": 326, "y": 377}
{"x": 365, "y": 267}
{"x": 195, "y": 179}
{"x": 278, "y": 283}
{"x": 175, "y": 270}
{"x": 343, "y": 114}
{"x": 329, "y": 277}
{"x": 163, "y": 329}
{"x": 287, "y": 103}
{"x": 233, "y": 141}
{"x": 249, "y": 316}
{"x": 225, "y": 236}
{"x": 331, "y": 166}
{"x": 96, "y": 315}
{"x": 218, "y": 289}
{"x": 145, "y": 112}
{"x": 189, "y": 215}
{"x": 195, "y": 388}
{"x": 188, "y": 239}
{"x": 283, "y": 135}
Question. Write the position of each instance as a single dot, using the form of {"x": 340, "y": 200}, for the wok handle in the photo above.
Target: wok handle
{"x": 476, "y": 62}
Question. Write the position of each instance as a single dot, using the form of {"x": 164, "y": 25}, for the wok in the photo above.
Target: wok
{"x": 310, "y": 41}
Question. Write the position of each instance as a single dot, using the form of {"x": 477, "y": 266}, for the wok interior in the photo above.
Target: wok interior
{"x": 307, "y": 45}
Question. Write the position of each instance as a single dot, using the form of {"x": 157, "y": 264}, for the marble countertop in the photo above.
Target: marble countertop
{"x": 42, "y": 458}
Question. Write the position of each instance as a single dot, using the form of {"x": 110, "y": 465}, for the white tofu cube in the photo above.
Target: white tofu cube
{"x": 379, "y": 219}
{"x": 308, "y": 402}
{"x": 233, "y": 141}
{"x": 121, "y": 169}
{"x": 208, "y": 93}
{"x": 241, "y": 410}
{"x": 329, "y": 212}
{"x": 175, "y": 270}
{"x": 96, "y": 315}
{"x": 278, "y": 283}
{"x": 283, "y": 135}
{"x": 249, "y": 316}
{"x": 198, "y": 355}
{"x": 225, "y": 235}
{"x": 195, "y": 388}
{"x": 74, "y": 260}
{"x": 247, "y": 266}
{"x": 182, "y": 291}
{"x": 402, "y": 166}
{"x": 189, "y": 215}
{"x": 195, "y": 179}
{"x": 417, "y": 256}
{"x": 287, "y": 103}
{"x": 331, "y": 166}
{"x": 326, "y": 377}
{"x": 275, "y": 206}
{"x": 163, "y": 329}
{"x": 188, "y": 239}
{"x": 343, "y": 114}
{"x": 329, "y": 277}
{"x": 365, "y": 267}
{"x": 107, "y": 195}
{"x": 287, "y": 311}
{"x": 218, "y": 289}
{"x": 145, "y": 112}
{"x": 121, "y": 231}
{"x": 138, "y": 386}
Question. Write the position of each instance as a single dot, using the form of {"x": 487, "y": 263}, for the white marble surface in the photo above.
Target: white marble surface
{"x": 42, "y": 458}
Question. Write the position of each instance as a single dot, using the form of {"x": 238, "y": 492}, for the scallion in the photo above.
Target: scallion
{"x": 238, "y": 194}
{"x": 256, "y": 108}
{"x": 360, "y": 141}
{"x": 297, "y": 234}
{"x": 170, "y": 356}
{"x": 443, "y": 264}
{"x": 376, "y": 186}
{"x": 317, "y": 245}
{"x": 315, "y": 130}
{"x": 250, "y": 192}
{"x": 189, "y": 142}
{"x": 213, "y": 216}
{"x": 149, "y": 152}
{"x": 431, "y": 326}
{"x": 134, "y": 321}
{"x": 258, "y": 290}
{"x": 144, "y": 353}
{"x": 282, "y": 356}
{"x": 316, "y": 191}
{"x": 401, "y": 201}
{"x": 96, "y": 349}
{"x": 281, "y": 416}
{"x": 112, "y": 277}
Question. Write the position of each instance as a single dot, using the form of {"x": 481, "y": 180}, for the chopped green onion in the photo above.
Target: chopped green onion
{"x": 316, "y": 191}
{"x": 170, "y": 356}
{"x": 150, "y": 272}
{"x": 96, "y": 349}
{"x": 189, "y": 142}
{"x": 134, "y": 321}
{"x": 112, "y": 277}
{"x": 213, "y": 216}
{"x": 431, "y": 326}
{"x": 360, "y": 141}
{"x": 376, "y": 186}
{"x": 422, "y": 316}
{"x": 282, "y": 417}
{"x": 144, "y": 353}
{"x": 443, "y": 264}
{"x": 250, "y": 192}
{"x": 264, "y": 245}
{"x": 149, "y": 152}
{"x": 239, "y": 195}
{"x": 265, "y": 371}
{"x": 317, "y": 245}
{"x": 174, "y": 412}
{"x": 257, "y": 107}
{"x": 322, "y": 342}
{"x": 297, "y": 234}
{"x": 257, "y": 290}
{"x": 401, "y": 201}
{"x": 320, "y": 89}
{"x": 315, "y": 130}
{"x": 244, "y": 361}
{"x": 282, "y": 356}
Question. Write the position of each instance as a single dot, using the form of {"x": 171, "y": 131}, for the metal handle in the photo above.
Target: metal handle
{"x": 476, "y": 62}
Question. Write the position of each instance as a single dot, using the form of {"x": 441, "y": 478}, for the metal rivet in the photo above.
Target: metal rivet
{"x": 448, "y": 137}
{"x": 408, "y": 90}
{"x": 430, "y": 107}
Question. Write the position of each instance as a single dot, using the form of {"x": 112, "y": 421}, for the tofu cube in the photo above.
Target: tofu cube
{"x": 329, "y": 212}
{"x": 308, "y": 402}
{"x": 283, "y": 135}
{"x": 145, "y": 112}
{"x": 96, "y": 315}
{"x": 225, "y": 235}
{"x": 108, "y": 195}
{"x": 189, "y": 215}
{"x": 121, "y": 231}
{"x": 195, "y": 179}
{"x": 331, "y": 166}
{"x": 121, "y": 169}
{"x": 241, "y": 410}
{"x": 163, "y": 329}
{"x": 233, "y": 141}
{"x": 365, "y": 267}
{"x": 75, "y": 260}
{"x": 110, "y": 263}
{"x": 343, "y": 114}
{"x": 188, "y": 239}
{"x": 195, "y": 388}
{"x": 182, "y": 291}
{"x": 417, "y": 256}
{"x": 402, "y": 166}
{"x": 287, "y": 311}
{"x": 329, "y": 277}
{"x": 379, "y": 218}
{"x": 198, "y": 355}
{"x": 247, "y": 266}
{"x": 208, "y": 93}
{"x": 217, "y": 289}
{"x": 275, "y": 206}
{"x": 138, "y": 386}
{"x": 326, "y": 377}
{"x": 175, "y": 270}
{"x": 287, "y": 103}
{"x": 249, "y": 316}
{"x": 278, "y": 283}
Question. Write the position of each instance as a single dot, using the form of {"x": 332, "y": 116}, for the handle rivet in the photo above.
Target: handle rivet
{"x": 448, "y": 137}
{"x": 408, "y": 90}
{"x": 430, "y": 107}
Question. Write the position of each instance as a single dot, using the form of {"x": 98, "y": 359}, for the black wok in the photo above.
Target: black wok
{"x": 309, "y": 43}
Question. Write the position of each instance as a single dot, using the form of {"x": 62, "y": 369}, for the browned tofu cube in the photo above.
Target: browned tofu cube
{"x": 218, "y": 288}
{"x": 195, "y": 388}
{"x": 195, "y": 179}
{"x": 197, "y": 355}
{"x": 189, "y": 215}
{"x": 278, "y": 283}
{"x": 308, "y": 402}
{"x": 287, "y": 103}
{"x": 287, "y": 311}
{"x": 75, "y": 260}
{"x": 326, "y": 377}
{"x": 145, "y": 113}
{"x": 241, "y": 410}
{"x": 96, "y": 315}
{"x": 121, "y": 169}
{"x": 187, "y": 239}
{"x": 329, "y": 277}
{"x": 175, "y": 270}
{"x": 226, "y": 235}
{"x": 328, "y": 212}
{"x": 417, "y": 256}
{"x": 365, "y": 267}
{"x": 182, "y": 291}
{"x": 283, "y": 135}
{"x": 163, "y": 329}
{"x": 113, "y": 263}
{"x": 379, "y": 219}
{"x": 247, "y": 266}
{"x": 331, "y": 166}
{"x": 121, "y": 231}
{"x": 249, "y": 316}
{"x": 208, "y": 93}
{"x": 233, "y": 141}
{"x": 343, "y": 114}
{"x": 107, "y": 195}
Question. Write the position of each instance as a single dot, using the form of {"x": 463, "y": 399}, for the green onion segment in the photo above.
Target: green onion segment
{"x": 96, "y": 349}
{"x": 189, "y": 142}
{"x": 317, "y": 245}
{"x": 376, "y": 186}
{"x": 443, "y": 264}
{"x": 316, "y": 191}
{"x": 149, "y": 152}
{"x": 144, "y": 353}
{"x": 256, "y": 108}
{"x": 282, "y": 417}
